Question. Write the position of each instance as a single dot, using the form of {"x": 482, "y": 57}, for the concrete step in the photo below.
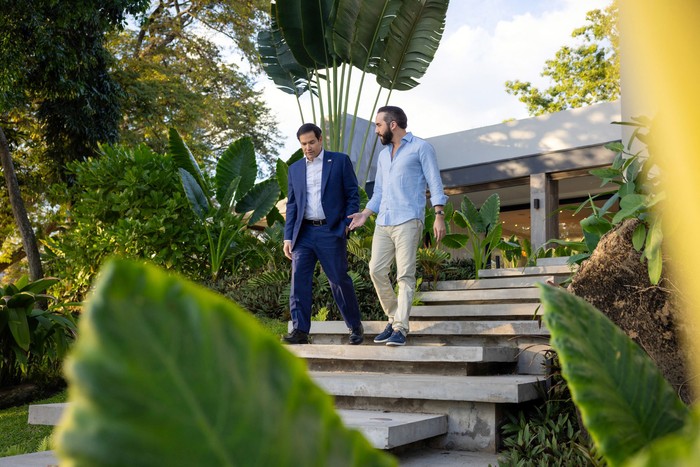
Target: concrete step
{"x": 35, "y": 459}
{"x": 480, "y": 296}
{"x": 556, "y": 261}
{"x": 494, "y": 283}
{"x": 526, "y": 271}
{"x": 416, "y": 353}
{"x": 387, "y": 430}
{"x": 438, "y": 328}
{"x": 500, "y": 389}
{"x": 478, "y": 310}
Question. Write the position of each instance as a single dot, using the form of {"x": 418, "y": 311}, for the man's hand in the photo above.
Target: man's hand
{"x": 439, "y": 228}
{"x": 288, "y": 249}
{"x": 358, "y": 219}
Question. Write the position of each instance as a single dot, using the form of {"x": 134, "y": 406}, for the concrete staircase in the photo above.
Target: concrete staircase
{"x": 475, "y": 349}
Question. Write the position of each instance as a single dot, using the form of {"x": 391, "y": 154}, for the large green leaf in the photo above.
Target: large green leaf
{"x": 279, "y": 62}
{"x": 287, "y": 14}
{"x": 679, "y": 449}
{"x": 260, "y": 200}
{"x": 198, "y": 200}
{"x": 168, "y": 373}
{"x": 413, "y": 39}
{"x": 455, "y": 241}
{"x": 315, "y": 17}
{"x": 19, "y": 327}
{"x": 237, "y": 161}
{"x": 490, "y": 211}
{"x": 184, "y": 159}
{"x": 624, "y": 400}
{"x": 474, "y": 220}
{"x": 282, "y": 174}
{"x": 39, "y": 285}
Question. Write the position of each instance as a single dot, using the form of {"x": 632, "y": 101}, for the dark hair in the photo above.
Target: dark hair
{"x": 394, "y": 113}
{"x": 307, "y": 128}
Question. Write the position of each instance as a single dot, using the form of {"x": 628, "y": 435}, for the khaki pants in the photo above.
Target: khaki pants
{"x": 400, "y": 242}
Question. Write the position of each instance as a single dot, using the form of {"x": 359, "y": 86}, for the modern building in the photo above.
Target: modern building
{"x": 538, "y": 166}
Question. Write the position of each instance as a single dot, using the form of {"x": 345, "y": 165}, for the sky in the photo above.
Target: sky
{"x": 485, "y": 44}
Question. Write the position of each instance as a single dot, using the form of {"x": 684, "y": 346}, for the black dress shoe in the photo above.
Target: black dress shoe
{"x": 296, "y": 337}
{"x": 357, "y": 335}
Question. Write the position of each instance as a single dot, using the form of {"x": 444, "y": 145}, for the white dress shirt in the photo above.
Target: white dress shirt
{"x": 314, "y": 171}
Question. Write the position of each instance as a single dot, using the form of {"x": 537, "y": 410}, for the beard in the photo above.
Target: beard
{"x": 386, "y": 137}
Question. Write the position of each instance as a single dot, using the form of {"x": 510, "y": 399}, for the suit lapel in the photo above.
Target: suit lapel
{"x": 326, "y": 171}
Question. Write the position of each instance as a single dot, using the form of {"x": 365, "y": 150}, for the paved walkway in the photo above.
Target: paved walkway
{"x": 421, "y": 458}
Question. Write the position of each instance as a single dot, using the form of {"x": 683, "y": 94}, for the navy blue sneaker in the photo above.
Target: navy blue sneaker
{"x": 384, "y": 335}
{"x": 397, "y": 338}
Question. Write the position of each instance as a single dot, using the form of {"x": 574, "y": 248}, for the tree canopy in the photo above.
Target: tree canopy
{"x": 178, "y": 68}
{"x": 581, "y": 75}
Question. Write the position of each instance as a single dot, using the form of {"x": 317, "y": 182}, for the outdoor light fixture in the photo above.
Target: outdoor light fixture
{"x": 536, "y": 203}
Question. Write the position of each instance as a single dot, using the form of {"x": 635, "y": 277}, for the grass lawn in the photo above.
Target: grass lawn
{"x": 19, "y": 437}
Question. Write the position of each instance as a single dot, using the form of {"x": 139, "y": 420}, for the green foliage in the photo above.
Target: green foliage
{"x": 232, "y": 390}
{"x": 550, "y": 433}
{"x": 314, "y": 46}
{"x": 639, "y": 197}
{"x": 222, "y": 210}
{"x": 483, "y": 230}
{"x": 582, "y": 75}
{"x": 432, "y": 261}
{"x": 128, "y": 203}
{"x": 33, "y": 340}
{"x": 624, "y": 400}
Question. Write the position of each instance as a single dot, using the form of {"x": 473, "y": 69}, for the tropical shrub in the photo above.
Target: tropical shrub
{"x": 170, "y": 373}
{"x": 637, "y": 193}
{"x": 128, "y": 202}
{"x": 550, "y": 433}
{"x": 33, "y": 339}
{"x": 234, "y": 203}
{"x": 483, "y": 231}
{"x": 629, "y": 409}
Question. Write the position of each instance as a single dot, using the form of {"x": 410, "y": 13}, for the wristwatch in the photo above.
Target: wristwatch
{"x": 439, "y": 213}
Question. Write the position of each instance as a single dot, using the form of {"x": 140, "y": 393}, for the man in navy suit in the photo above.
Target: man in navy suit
{"x": 322, "y": 194}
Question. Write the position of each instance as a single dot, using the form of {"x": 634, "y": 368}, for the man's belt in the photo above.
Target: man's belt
{"x": 315, "y": 222}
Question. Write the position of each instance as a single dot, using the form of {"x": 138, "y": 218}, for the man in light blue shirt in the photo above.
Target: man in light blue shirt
{"x": 405, "y": 168}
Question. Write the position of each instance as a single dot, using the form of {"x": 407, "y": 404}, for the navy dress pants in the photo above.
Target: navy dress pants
{"x": 317, "y": 243}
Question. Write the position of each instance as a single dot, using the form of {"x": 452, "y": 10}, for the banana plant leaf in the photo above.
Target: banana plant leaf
{"x": 624, "y": 400}
{"x": 166, "y": 372}
{"x": 238, "y": 160}
{"x": 288, "y": 15}
{"x": 681, "y": 448}
{"x": 413, "y": 39}
{"x": 490, "y": 211}
{"x": 279, "y": 62}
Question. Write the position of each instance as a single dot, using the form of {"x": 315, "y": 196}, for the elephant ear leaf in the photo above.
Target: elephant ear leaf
{"x": 184, "y": 159}
{"x": 261, "y": 199}
{"x": 237, "y": 161}
{"x": 168, "y": 373}
{"x": 624, "y": 400}
{"x": 198, "y": 201}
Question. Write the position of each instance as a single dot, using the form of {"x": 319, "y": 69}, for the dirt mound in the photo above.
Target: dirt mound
{"x": 615, "y": 281}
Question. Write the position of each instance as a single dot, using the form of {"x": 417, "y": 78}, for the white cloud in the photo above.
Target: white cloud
{"x": 484, "y": 44}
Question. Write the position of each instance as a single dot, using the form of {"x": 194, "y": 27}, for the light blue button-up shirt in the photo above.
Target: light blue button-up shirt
{"x": 400, "y": 184}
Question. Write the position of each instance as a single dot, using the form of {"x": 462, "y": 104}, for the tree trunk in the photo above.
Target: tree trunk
{"x": 25, "y": 228}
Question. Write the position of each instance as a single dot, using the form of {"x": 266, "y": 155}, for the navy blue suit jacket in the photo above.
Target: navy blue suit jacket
{"x": 339, "y": 194}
